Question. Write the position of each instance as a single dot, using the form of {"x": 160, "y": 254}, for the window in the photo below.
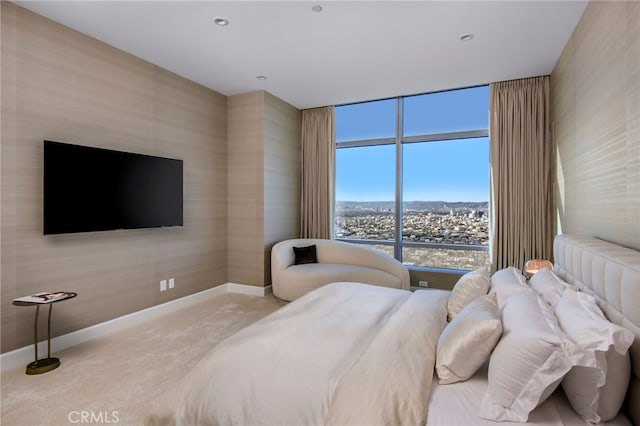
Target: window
{"x": 412, "y": 177}
{"x": 366, "y": 193}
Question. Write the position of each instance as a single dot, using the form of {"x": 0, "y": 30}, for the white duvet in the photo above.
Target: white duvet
{"x": 345, "y": 354}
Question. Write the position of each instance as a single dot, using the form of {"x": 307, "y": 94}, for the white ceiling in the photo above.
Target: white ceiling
{"x": 351, "y": 51}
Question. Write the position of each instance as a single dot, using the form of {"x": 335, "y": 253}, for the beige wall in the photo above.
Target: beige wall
{"x": 61, "y": 85}
{"x": 245, "y": 199}
{"x": 264, "y": 182}
{"x": 444, "y": 280}
{"x": 595, "y": 90}
{"x": 282, "y": 175}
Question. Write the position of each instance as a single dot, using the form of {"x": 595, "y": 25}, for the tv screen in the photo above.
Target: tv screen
{"x": 94, "y": 189}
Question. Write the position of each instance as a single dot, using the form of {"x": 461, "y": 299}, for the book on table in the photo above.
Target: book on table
{"x": 45, "y": 297}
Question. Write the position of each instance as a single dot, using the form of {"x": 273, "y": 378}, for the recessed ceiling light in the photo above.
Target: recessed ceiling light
{"x": 317, "y": 8}
{"x": 466, "y": 37}
{"x": 261, "y": 77}
{"x": 223, "y": 22}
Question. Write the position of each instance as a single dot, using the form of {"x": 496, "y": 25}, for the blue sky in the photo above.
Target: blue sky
{"x": 443, "y": 171}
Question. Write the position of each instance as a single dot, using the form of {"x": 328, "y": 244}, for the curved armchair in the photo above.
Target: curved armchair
{"x": 337, "y": 261}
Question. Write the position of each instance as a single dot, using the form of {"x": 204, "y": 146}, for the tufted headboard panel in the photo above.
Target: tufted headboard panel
{"x": 612, "y": 274}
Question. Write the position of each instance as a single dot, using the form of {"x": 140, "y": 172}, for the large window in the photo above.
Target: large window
{"x": 412, "y": 177}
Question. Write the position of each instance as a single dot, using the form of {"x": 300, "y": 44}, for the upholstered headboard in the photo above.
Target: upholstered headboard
{"x": 612, "y": 274}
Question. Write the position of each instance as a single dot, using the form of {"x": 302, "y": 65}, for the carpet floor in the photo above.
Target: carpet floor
{"x": 116, "y": 379}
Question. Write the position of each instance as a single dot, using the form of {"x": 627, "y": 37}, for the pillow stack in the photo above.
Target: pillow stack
{"x": 529, "y": 361}
{"x": 596, "y": 388}
{"x": 536, "y": 337}
{"x": 475, "y": 325}
{"x": 554, "y": 334}
{"x": 597, "y": 383}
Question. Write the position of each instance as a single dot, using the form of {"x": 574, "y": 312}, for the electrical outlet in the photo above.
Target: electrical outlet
{"x": 163, "y": 285}
{"x": 423, "y": 283}
{"x": 172, "y": 283}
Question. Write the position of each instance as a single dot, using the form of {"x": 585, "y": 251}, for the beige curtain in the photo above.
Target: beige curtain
{"x": 318, "y": 172}
{"x": 521, "y": 186}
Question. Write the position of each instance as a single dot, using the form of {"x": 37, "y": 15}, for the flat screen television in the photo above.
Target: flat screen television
{"x": 93, "y": 189}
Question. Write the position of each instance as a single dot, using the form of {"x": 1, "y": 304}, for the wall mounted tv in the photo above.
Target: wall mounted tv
{"x": 93, "y": 189}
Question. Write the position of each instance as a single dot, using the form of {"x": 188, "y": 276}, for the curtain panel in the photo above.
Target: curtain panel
{"x": 521, "y": 160}
{"x": 318, "y": 172}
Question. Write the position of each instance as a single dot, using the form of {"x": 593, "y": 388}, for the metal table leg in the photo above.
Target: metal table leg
{"x": 40, "y": 366}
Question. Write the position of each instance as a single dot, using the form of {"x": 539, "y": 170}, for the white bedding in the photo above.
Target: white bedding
{"x": 346, "y": 353}
{"x": 459, "y": 403}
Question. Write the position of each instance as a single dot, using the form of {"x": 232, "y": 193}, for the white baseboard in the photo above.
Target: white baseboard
{"x": 249, "y": 290}
{"x": 23, "y": 356}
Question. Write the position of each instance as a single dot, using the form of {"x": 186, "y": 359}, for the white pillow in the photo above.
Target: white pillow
{"x": 597, "y": 388}
{"x": 466, "y": 342}
{"x": 529, "y": 361}
{"x": 507, "y": 282}
{"x": 549, "y": 286}
{"x": 469, "y": 287}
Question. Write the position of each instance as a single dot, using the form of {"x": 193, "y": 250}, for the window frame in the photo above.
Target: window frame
{"x": 399, "y": 141}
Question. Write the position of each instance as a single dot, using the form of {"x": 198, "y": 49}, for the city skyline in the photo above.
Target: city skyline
{"x": 461, "y": 223}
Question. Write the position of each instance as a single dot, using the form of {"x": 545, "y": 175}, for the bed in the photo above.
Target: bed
{"x": 354, "y": 354}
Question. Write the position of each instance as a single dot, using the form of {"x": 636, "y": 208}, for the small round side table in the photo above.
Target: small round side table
{"x": 43, "y": 365}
